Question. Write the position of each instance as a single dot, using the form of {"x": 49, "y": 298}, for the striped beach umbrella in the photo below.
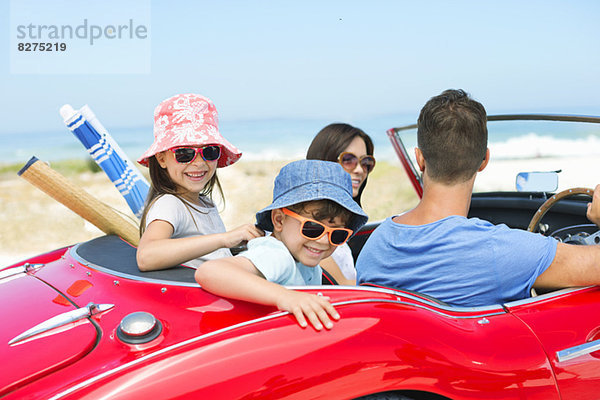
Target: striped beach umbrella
{"x": 108, "y": 155}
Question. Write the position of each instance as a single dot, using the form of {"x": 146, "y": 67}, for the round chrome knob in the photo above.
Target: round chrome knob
{"x": 139, "y": 327}
{"x": 137, "y": 323}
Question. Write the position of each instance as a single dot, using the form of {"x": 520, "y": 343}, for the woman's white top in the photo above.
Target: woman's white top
{"x": 343, "y": 258}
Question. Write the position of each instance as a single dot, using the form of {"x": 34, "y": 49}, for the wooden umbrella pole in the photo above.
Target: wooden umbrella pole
{"x": 39, "y": 174}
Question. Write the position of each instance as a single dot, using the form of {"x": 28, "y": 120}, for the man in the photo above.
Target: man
{"x": 436, "y": 250}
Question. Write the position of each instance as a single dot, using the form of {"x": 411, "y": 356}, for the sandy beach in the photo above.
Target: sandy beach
{"x": 33, "y": 222}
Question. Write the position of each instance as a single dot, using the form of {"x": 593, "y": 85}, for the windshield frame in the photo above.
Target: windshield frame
{"x": 394, "y": 134}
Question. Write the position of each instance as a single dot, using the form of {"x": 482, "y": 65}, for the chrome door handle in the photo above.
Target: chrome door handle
{"x": 61, "y": 320}
{"x": 578, "y": 351}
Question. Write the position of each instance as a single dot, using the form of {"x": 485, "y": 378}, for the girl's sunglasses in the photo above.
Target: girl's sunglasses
{"x": 349, "y": 162}
{"x": 185, "y": 155}
{"x": 314, "y": 230}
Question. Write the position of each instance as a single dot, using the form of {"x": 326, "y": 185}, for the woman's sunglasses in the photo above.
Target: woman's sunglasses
{"x": 349, "y": 162}
{"x": 314, "y": 230}
{"x": 185, "y": 155}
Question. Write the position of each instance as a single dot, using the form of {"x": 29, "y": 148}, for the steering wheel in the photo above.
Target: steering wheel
{"x": 534, "y": 224}
{"x": 537, "y": 217}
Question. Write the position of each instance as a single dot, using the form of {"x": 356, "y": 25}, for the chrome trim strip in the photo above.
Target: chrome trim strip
{"x": 12, "y": 272}
{"x": 230, "y": 328}
{"x": 484, "y": 312}
{"x": 578, "y": 351}
{"x": 545, "y": 296}
{"x": 83, "y": 261}
{"x": 21, "y": 269}
{"x": 61, "y": 320}
{"x": 399, "y": 292}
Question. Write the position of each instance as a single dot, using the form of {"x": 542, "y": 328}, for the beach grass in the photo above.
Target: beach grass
{"x": 69, "y": 168}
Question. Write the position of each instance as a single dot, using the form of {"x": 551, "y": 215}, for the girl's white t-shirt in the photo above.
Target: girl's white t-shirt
{"x": 189, "y": 220}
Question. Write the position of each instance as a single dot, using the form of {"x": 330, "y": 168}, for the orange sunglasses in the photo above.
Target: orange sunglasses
{"x": 314, "y": 230}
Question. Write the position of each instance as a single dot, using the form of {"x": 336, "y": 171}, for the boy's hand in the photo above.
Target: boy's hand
{"x": 305, "y": 305}
{"x": 241, "y": 234}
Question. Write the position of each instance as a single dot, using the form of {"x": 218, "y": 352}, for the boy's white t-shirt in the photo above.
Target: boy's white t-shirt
{"x": 270, "y": 256}
{"x": 189, "y": 220}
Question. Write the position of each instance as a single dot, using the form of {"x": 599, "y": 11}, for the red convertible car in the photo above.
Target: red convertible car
{"x": 84, "y": 323}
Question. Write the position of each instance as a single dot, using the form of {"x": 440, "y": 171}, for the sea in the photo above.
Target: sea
{"x": 286, "y": 139}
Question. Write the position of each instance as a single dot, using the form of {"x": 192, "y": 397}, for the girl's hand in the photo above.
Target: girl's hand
{"x": 304, "y": 305}
{"x": 241, "y": 234}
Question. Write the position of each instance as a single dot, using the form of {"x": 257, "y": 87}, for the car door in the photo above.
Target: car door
{"x": 567, "y": 323}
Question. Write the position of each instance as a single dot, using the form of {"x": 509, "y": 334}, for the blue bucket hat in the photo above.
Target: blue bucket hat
{"x": 308, "y": 180}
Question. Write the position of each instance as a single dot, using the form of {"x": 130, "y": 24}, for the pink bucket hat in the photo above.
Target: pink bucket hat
{"x": 188, "y": 120}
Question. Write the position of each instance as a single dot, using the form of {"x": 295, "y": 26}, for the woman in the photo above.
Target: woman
{"x": 353, "y": 149}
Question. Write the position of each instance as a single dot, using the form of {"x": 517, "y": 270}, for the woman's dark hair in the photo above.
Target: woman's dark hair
{"x": 161, "y": 183}
{"x": 332, "y": 140}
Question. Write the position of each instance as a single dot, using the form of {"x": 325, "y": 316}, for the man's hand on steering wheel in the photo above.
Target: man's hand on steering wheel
{"x": 593, "y": 208}
{"x": 548, "y": 204}
{"x": 593, "y": 211}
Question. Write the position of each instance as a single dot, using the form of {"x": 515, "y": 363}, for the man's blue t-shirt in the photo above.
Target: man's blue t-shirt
{"x": 462, "y": 261}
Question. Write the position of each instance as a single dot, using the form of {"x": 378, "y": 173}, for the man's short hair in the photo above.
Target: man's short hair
{"x": 452, "y": 135}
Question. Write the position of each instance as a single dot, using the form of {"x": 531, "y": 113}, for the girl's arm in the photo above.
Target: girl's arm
{"x": 329, "y": 265}
{"x": 157, "y": 250}
{"x": 238, "y": 278}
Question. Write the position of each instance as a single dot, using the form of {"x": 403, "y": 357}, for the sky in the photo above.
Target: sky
{"x": 339, "y": 60}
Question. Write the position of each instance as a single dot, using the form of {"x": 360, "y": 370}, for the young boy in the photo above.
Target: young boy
{"x": 312, "y": 212}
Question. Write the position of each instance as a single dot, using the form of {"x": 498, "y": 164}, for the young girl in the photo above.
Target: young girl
{"x": 180, "y": 223}
{"x": 353, "y": 149}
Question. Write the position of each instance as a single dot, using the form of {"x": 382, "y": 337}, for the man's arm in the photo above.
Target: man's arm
{"x": 575, "y": 265}
{"x": 238, "y": 278}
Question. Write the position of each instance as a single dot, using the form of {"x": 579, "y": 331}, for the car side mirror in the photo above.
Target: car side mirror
{"x": 537, "y": 181}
